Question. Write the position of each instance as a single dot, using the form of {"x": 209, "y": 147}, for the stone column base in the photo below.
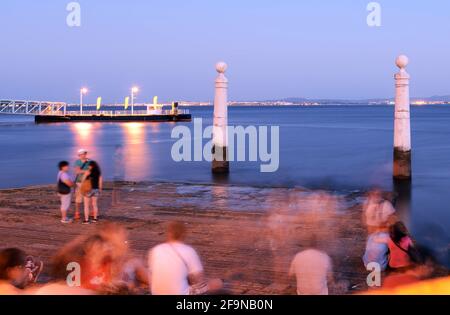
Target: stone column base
{"x": 402, "y": 164}
{"x": 220, "y": 166}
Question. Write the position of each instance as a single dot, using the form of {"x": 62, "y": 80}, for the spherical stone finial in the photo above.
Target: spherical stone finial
{"x": 221, "y": 67}
{"x": 402, "y": 61}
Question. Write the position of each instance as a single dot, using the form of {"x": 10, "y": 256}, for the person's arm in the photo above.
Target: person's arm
{"x": 142, "y": 275}
{"x": 68, "y": 182}
{"x": 292, "y": 269}
{"x": 195, "y": 268}
{"x": 85, "y": 174}
{"x": 330, "y": 274}
{"x": 149, "y": 270}
{"x": 78, "y": 170}
{"x": 197, "y": 277}
{"x": 65, "y": 178}
{"x": 100, "y": 183}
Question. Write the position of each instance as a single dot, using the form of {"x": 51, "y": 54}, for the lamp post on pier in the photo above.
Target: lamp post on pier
{"x": 83, "y": 91}
{"x": 134, "y": 90}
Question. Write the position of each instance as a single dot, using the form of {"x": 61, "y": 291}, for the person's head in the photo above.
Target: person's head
{"x": 117, "y": 236}
{"x": 91, "y": 252}
{"x": 94, "y": 167}
{"x": 97, "y": 251}
{"x": 12, "y": 264}
{"x": 398, "y": 231}
{"x": 176, "y": 231}
{"x": 63, "y": 166}
{"x": 82, "y": 154}
{"x": 311, "y": 240}
{"x": 375, "y": 194}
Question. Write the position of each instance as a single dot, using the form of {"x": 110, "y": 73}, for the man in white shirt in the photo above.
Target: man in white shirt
{"x": 175, "y": 268}
{"x": 313, "y": 270}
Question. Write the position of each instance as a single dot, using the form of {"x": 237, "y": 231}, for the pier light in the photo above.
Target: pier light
{"x": 134, "y": 90}
{"x": 83, "y": 91}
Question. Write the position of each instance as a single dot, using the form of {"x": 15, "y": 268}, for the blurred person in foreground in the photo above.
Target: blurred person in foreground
{"x": 412, "y": 275}
{"x": 127, "y": 272}
{"x": 104, "y": 265}
{"x": 17, "y": 271}
{"x": 377, "y": 250}
{"x": 377, "y": 210}
{"x": 72, "y": 267}
{"x": 176, "y": 269}
{"x": 313, "y": 270}
{"x": 403, "y": 252}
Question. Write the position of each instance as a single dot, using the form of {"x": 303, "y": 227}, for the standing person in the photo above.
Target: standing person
{"x": 94, "y": 176}
{"x": 313, "y": 270}
{"x": 175, "y": 268}
{"x": 81, "y": 166}
{"x": 65, "y": 185}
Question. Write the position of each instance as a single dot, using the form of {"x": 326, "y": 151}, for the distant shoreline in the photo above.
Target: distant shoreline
{"x": 277, "y": 105}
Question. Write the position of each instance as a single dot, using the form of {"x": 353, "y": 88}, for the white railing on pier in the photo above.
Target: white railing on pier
{"x": 15, "y": 107}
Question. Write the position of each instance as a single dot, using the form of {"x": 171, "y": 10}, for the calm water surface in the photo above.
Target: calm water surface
{"x": 333, "y": 147}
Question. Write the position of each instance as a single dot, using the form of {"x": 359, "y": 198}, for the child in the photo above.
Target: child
{"x": 65, "y": 185}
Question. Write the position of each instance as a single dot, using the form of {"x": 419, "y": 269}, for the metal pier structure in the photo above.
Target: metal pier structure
{"x": 14, "y": 107}
{"x": 49, "y": 112}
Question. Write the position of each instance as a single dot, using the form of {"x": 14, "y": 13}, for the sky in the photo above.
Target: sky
{"x": 274, "y": 49}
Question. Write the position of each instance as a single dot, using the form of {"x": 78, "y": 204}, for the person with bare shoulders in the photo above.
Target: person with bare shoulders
{"x": 93, "y": 175}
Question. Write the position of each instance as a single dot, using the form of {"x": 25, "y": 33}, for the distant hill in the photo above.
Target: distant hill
{"x": 302, "y": 100}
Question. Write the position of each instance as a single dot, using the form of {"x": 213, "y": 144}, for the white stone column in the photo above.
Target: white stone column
{"x": 402, "y": 124}
{"x": 220, "y": 163}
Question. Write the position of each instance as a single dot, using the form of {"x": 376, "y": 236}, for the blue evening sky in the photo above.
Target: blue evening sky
{"x": 275, "y": 49}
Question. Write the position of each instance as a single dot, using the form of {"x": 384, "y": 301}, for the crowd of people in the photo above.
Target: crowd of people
{"x": 390, "y": 245}
{"x": 100, "y": 262}
{"x": 86, "y": 184}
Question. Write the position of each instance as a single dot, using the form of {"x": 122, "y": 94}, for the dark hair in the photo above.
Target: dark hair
{"x": 95, "y": 167}
{"x": 75, "y": 251}
{"x": 62, "y": 164}
{"x": 176, "y": 230}
{"x": 10, "y": 258}
{"x": 398, "y": 231}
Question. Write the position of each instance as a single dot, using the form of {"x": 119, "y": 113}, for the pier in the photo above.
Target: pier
{"x": 54, "y": 112}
